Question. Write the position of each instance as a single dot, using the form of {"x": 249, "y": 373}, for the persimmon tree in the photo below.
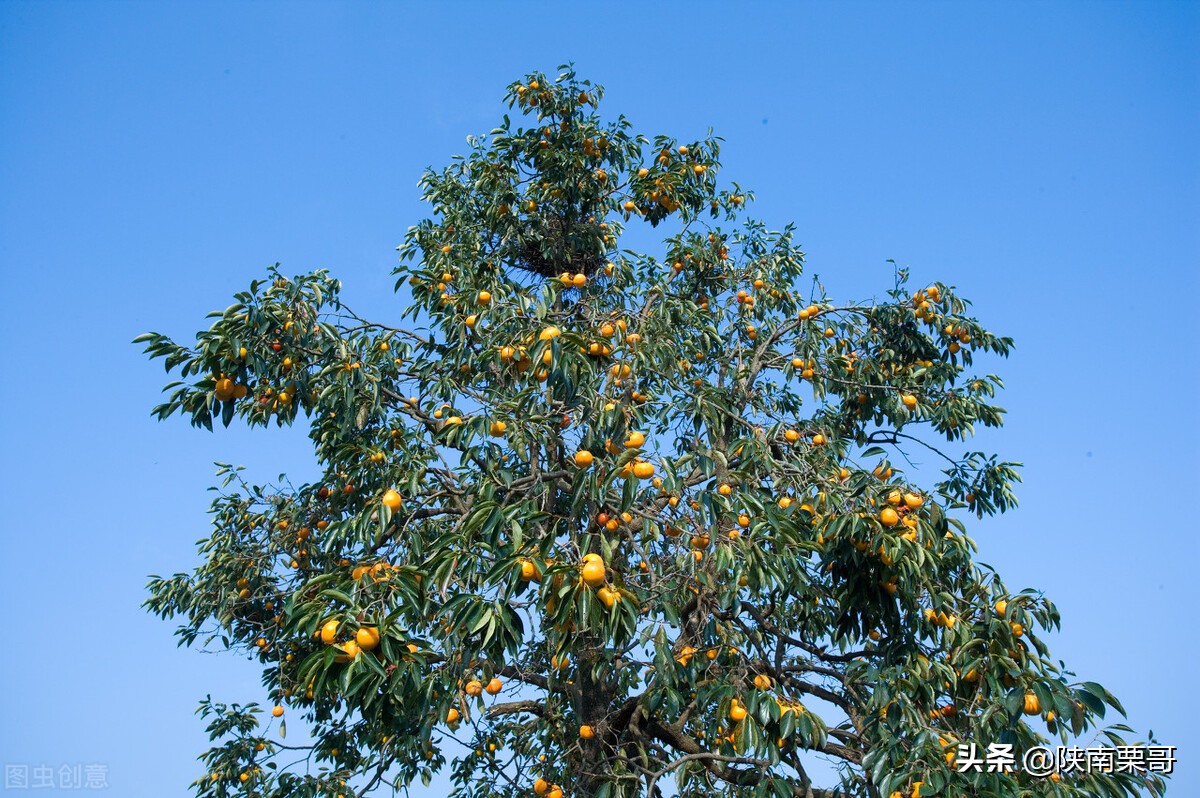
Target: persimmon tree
{"x": 600, "y": 522}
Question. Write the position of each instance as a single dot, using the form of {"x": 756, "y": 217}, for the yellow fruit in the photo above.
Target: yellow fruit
{"x": 351, "y": 649}
{"x": 818, "y": 440}
{"x": 620, "y": 371}
{"x": 592, "y": 572}
{"x": 643, "y": 470}
{"x": 791, "y": 436}
{"x": 549, "y": 333}
{"x": 367, "y": 638}
{"x": 541, "y": 786}
{"x": 909, "y": 400}
{"x": 587, "y": 732}
{"x": 474, "y": 687}
{"x": 608, "y": 597}
{"x": 555, "y": 792}
{"x": 889, "y": 517}
{"x": 391, "y": 500}
{"x": 452, "y": 716}
{"x": 329, "y": 632}
{"x": 635, "y": 440}
{"x": 912, "y": 501}
{"x": 737, "y": 712}
{"x": 528, "y": 571}
{"x": 277, "y": 711}
{"x": 1001, "y": 606}
{"x": 762, "y": 681}
{"x": 484, "y": 298}
{"x": 494, "y": 686}
{"x": 583, "y": 458}
{"x": 1032, "y": 705}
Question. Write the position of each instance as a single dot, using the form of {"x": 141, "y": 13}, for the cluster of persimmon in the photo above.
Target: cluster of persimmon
{"x": 365, "y": 638}
{"x": 738, "y": 711}
{"x": 594, "y": 574}
{"x": 543, "y": 788}
{"x": 959, "y": 337}
{"x": 475, "y": 688}
{"x": 226, "y": 389}
{"x": 639, "y": 468}
{"x": 899, "y": 505}
{"x": 924, "y": 302}
{"x": 1031, "y": 703}
{"x": 378, "y": 572}
{"x": 657, "y": 191}
{"x": 568, "y": 280}
{"x": 273, "y": 398}
{"x": 532, "y": 94}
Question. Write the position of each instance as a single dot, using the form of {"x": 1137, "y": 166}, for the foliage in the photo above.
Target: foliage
{"x": 734, "y": 578}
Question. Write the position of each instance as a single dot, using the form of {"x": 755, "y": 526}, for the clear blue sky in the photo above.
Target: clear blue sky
{"x": 156, "y": 157}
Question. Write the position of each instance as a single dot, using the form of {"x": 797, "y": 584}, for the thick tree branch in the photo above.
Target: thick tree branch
{"x": 515, "y": 707}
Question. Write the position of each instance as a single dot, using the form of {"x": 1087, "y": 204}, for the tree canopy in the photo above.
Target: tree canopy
{"x": 608, "y": 523}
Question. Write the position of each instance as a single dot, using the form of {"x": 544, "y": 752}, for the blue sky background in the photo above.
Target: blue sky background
{"x": 154, "y": 158}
